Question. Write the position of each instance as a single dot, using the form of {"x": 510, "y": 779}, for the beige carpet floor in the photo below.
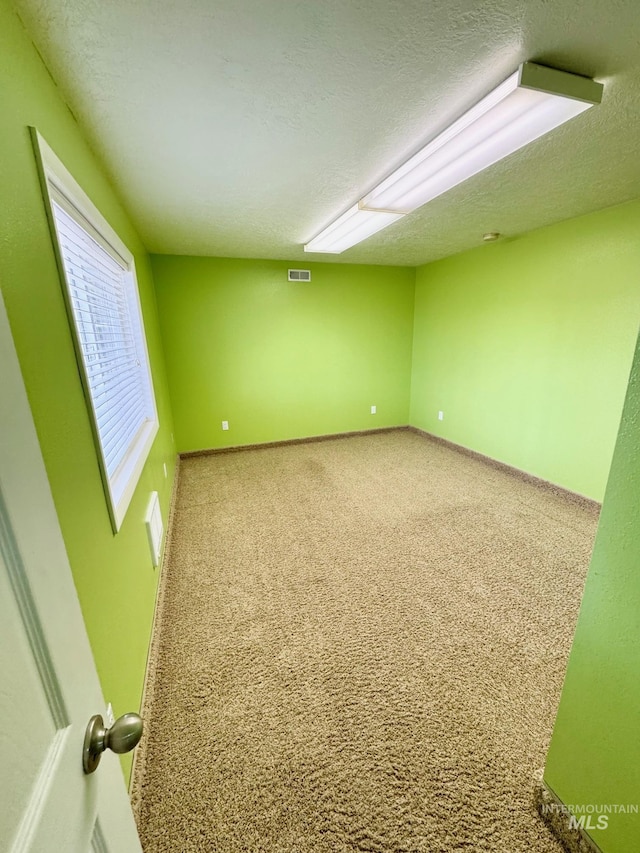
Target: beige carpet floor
{"x": 361, "y": 647}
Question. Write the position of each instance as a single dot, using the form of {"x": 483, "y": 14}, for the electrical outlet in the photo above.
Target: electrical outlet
{"x": 164, "y": 465}
{"x": 225, "y": 424}
{"x": 373, "y": 410}
{"x": 440, "y": 416}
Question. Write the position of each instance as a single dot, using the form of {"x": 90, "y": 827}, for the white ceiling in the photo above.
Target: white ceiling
{"x": 240, "y": 128}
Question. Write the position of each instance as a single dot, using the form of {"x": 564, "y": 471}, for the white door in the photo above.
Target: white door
{"x": 49, "y": 688}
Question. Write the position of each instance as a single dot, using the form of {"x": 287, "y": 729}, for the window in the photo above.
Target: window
{"x": 101, "y": 293}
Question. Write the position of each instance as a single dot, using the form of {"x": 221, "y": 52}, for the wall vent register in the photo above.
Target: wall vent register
{"x": 299, "y": 275}
{"x": 155, "y": 528}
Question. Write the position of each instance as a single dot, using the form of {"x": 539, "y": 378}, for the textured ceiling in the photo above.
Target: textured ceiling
{"x": 240, "y": 128}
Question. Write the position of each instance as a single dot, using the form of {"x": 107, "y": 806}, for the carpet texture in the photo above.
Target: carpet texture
{"x": 361, "y": 648}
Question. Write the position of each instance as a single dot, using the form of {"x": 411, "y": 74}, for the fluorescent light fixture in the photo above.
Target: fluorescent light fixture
{"x": 531, "y": 102}
{"x": 352, "y": 227}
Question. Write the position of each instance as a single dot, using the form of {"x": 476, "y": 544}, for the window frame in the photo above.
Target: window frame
{"x": 59, "y": 185}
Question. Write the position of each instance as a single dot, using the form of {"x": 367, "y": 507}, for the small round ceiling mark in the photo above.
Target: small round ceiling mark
{"x": 491, "y": 236}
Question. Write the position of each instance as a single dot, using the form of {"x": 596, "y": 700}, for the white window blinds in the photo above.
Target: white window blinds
{"x": 98, "y": 291}
{"x": 101, "y": 293}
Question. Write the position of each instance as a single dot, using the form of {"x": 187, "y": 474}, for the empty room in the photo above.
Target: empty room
{"x": 320, "y": 457}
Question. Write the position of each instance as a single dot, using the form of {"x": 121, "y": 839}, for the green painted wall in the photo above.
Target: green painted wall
{"x": 526, "y": 346}
{"x": 283, "y": 360}
{"x": 594, "y": 755}
{"x": 113, "y": 574}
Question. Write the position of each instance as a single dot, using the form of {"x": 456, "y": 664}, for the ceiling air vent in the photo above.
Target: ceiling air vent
{"x": 299, "y": 275}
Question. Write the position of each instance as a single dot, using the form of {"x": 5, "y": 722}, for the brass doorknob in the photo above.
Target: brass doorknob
{"x": 123, "y": 736}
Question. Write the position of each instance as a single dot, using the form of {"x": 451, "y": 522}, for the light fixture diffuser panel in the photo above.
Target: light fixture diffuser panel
{"x": 510, "y": 117}
{"x": 352, "y": 227}
{"x": 531, "y": 102}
